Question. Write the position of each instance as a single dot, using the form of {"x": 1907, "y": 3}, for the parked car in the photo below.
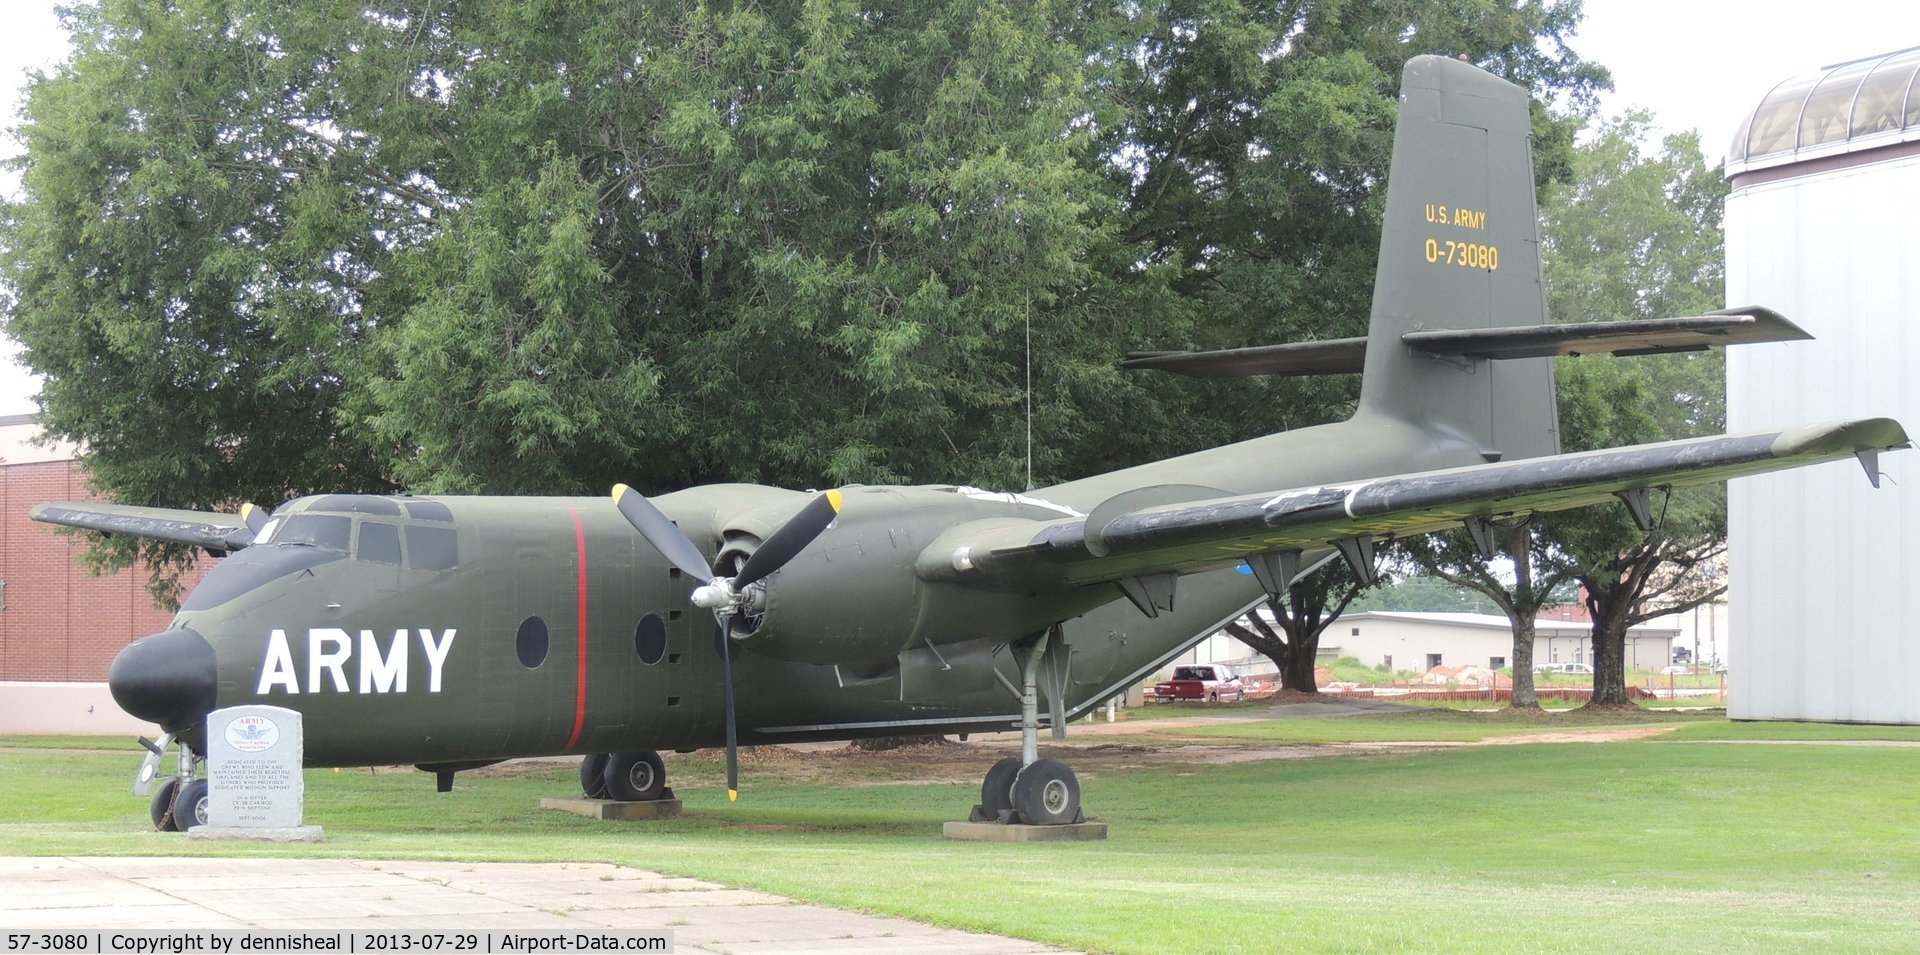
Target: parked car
{"x": 1211, "y": 682}
{"x": 1564, "y": 668}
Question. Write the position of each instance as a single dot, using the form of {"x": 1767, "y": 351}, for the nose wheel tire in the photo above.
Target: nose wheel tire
{"x": 593, "y": 776}
{"x": 1046, "y": 793}
{"x": 635, "y": 777}
{"x": 160, "y": 810}
{"x": 190, "y": 805}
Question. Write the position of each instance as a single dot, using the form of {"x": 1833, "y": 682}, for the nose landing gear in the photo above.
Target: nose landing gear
{"x": 179, "y": 801}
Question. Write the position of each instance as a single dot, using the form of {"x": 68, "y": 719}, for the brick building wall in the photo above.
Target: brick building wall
{"x": 59, "y": 622}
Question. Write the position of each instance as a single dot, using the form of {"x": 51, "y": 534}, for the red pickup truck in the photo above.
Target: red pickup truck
{"x": 1201, "y": 681}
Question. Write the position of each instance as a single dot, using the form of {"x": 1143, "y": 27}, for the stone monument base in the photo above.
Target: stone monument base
{"x": 257, "y": 834}
{"x": 614, "y": 809}
{"x": 1019, "y": 832}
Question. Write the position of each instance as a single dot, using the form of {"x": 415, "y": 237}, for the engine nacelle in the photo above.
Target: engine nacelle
{"x": 853, "y": 596}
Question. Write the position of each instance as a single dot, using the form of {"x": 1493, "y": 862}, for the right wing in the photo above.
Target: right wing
{"x": 1205, "y": 534}
{"x": 215, "y": 532}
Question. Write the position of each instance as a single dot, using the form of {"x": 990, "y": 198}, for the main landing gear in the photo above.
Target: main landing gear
{"x": 624, "y": 777}
{"x": 178, "y": 802}
{"x": 1025, "y": 788}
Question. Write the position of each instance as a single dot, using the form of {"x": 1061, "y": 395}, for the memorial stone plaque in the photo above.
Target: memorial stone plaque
{"x": 253, "y": 768}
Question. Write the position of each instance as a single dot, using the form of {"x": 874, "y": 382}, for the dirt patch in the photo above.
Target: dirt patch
{"x": 1092, "y": 754}
{"x": 1617, "y": 734}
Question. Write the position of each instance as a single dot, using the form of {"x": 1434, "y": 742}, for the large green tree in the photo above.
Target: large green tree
{"x": 1312, "y": 603}
{"x": 1633, "y": 233}
{"x": 516, "y": 246}
{"x": 1250, "y": 141}
{"x": 1636, "y": 233}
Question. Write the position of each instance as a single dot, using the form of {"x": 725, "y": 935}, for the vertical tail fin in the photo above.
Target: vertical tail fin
{"x": 1460, "y": 249}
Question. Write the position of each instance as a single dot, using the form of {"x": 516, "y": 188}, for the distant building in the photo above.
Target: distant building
{"x": 1822, "y": 224}
{"x": 60, "y": 626}
{"x": 1418, "y": 642}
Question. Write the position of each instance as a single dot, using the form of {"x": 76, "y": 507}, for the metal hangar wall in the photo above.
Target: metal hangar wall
{"x": 1823, "y": 224}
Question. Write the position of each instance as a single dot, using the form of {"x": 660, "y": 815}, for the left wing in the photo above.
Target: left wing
{"x": 1204, "y": 534}
{"x": 216, "y": 532}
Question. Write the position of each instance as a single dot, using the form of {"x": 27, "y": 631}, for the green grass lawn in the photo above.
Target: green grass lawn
{"x": 1763, "y": 730}
{"x": 1679, "y": 846}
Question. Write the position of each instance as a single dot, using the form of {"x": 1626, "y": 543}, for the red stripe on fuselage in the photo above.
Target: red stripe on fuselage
{"x": 580, "y": 657}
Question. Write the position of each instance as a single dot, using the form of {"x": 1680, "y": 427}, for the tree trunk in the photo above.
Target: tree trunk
{"x": 1524, "y": 697}
{"x": 1521, "y": 611}
{"x": 1609, "y": 668}
{"x": 1611, "y": 598}
{"x": 1297, "y": 673}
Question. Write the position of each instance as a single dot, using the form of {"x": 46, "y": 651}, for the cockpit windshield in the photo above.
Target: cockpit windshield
{"x": 363, "y": 529}
{"x": 370, "y": 529}
{"x": 332, "y": 531}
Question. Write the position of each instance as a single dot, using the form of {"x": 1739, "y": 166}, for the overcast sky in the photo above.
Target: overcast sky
{"x": 1696, "y": 64}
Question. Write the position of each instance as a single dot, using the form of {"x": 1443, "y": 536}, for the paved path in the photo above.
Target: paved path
{"x": 158, "y": 894}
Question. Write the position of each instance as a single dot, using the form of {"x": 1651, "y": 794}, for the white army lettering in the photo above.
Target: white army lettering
{"x": 330, "y": 649}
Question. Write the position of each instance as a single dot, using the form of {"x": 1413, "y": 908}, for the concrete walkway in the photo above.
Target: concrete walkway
{"x": 158, "y": 894}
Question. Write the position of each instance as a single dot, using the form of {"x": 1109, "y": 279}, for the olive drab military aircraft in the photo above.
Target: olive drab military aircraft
{"x": 452, "y": 632}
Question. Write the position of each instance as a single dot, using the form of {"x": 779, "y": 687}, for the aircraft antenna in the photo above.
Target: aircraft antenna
{"x": 1029, "y": 324}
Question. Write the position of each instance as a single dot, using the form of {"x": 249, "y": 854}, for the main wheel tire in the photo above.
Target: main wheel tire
{"x": 1046, "y": 794}
{"x": 190, "y": 805}
{"x": 160, "y": 810}
{"x": 635, "y": 777}
{"x": 996, "y": 793}
{"x": 593, "y": 776}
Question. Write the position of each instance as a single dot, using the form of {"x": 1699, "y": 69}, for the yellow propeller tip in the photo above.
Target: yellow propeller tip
{"x": 833, "y": 498}
{"x": 733, "y": 794}
{"x": 619, "y": 489}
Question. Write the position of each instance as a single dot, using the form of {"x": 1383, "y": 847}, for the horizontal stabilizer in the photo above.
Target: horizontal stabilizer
{"x": 217, "y": 532}
{"x": 1743, "y": 326}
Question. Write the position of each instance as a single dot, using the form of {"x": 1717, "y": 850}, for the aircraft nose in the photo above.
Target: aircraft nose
{"x": 168, "y": 678}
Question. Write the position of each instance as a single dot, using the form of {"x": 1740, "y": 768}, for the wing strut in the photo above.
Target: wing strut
{"x": 1481, "y": 530}
{"x": 1639, "y": 502}
{"x": 1360, "y": 558}
{"x": 1152, "y": 593}
{"x": 1275, "y": 570}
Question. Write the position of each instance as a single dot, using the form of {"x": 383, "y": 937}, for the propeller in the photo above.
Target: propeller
{"x": 254, "y": 517}
{"x": 726, "y": 596}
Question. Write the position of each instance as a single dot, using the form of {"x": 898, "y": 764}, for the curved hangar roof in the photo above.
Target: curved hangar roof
{"x": 1846, "y": 108}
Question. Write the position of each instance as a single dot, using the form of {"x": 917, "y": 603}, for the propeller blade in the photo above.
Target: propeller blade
{"x": 254, "y": 517}
{"x": 665, "y": 536}
{"x": 733, "y": 744}
{"x": 792, "y": 538}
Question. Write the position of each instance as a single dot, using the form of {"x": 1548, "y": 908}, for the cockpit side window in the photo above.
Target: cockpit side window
{"x": 431, "y": 548}
{"x": 379, "y": 543}
{"x": 429, "y": 511}
{"x": 321, "y": 530}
